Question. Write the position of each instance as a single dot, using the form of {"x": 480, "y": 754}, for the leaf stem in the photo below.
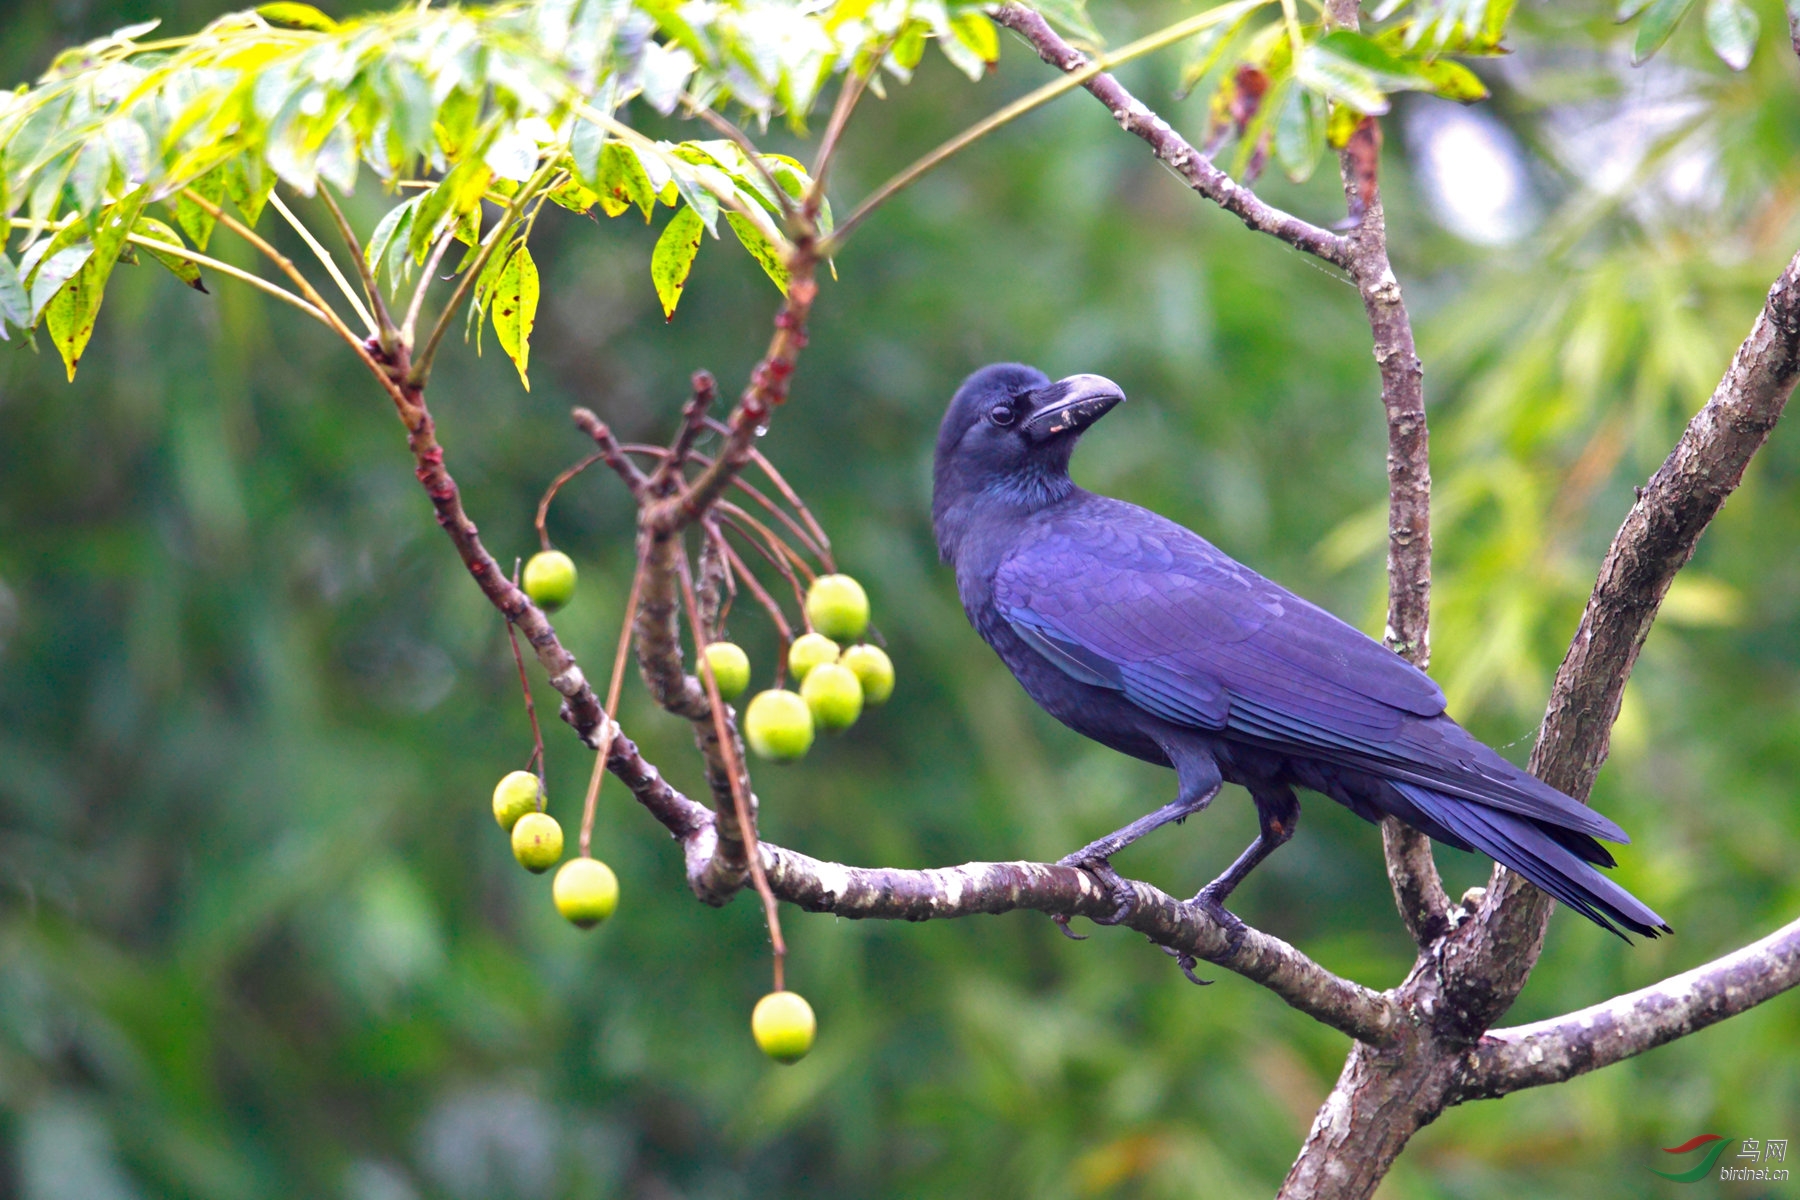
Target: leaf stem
{"x": 330, "y": 263}
{"x": 238, "y": 273}
{"x": 384, "y": 323}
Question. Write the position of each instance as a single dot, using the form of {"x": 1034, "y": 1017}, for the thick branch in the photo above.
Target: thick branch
{"x": 888, "y": 894}
{"x": 1176, "y": 153}
{"x": 1655, "y": 541}
{"x": 1418, "y": 891}
{"x": 1508, "y": 1060}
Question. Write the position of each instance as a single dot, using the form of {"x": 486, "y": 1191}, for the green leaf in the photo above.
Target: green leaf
{"x": 761, "y": 249}
{"x": 624, "y": 180}
{"x": 1331, "y": 74}
{"x": 977, "y": 33}
{"x": 1300, "y": 133}
{"x": 1453, "y": 81}
{"x": 300, "y": 16}
{"x": 1660, "y": 20}
{"x": 72, "y": 311}
{"x": 673, "y": 258}
{"x": 1210, "y": 44}
{"x": 191, "y": 217}
{"x": 1071, "y": 15}
{"x": 48, "y": 275}
{"x": 395, "y": 225}
{"x": 1629, "y": 9}
{"x": 1732, "y": 28}
{"x": 515, "y": 309}
{"x": 184, "y": 269}
{"x": 15, "y": 305}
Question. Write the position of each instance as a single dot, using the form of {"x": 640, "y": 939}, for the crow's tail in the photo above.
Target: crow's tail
{"x": 1537, "y": 853}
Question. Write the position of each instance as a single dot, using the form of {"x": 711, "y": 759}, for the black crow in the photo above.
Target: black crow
{"x": 1142, "y": 635}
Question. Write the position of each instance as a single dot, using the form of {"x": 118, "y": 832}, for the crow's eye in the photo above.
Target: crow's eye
{"x": 1001, "y": 414}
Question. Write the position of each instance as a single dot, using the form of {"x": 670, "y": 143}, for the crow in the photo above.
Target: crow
{"x": 1143, "y": 636}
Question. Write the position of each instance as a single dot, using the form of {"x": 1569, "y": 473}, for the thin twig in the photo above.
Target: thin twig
{"x": 1071, "y": 80}
{"x": 325, "y": 258}
{"x": 537, "y": 734}
{"x": 243, "y": 276}
{"x": 733, "y": 766}
{"x": 384, "y": 323}
{"x": 591, "y": 804}
{"x": 543, "y": 508}
{"x": 421, "y": 363}
{"x": 426, "y": 277}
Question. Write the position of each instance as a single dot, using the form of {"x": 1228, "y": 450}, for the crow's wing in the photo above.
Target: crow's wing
{"x": 1119, "y": 597}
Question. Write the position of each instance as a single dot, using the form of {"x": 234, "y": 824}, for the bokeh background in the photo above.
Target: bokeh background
{"x": 259, "y": 936}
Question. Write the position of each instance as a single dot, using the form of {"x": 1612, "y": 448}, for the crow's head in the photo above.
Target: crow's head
{"x": 1006, "y": 441}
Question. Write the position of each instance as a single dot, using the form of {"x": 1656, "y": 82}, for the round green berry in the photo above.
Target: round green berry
{"x": 537, "y": 842}
{"x": 784, "y": 1026}
{"x": 834, "y": 695}
{"x": 874, "y": 670}
{"x": 808, "y": 651}
{"x": 778, "y": 725}
{"x": 730, "y": 668}
{"x": 514, "y": 796}
{"x": 586, "y": 891}
{"x": 837, "y": 606}
{"x": 550, "y": 579}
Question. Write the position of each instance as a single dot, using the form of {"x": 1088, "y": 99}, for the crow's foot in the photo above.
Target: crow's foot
{"x": 1211, "y": 900}
{"x": 1062, "y": 923}
{"x": 1123, "y": 898}
{"x": 1187, "y": 963}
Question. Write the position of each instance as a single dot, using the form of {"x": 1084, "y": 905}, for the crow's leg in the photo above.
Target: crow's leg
{"x": 1094, "y": 856}
{"x": 1278, "y": 812}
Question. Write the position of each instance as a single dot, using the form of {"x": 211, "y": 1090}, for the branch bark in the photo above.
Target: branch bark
{"x": 1510, "y": 1060}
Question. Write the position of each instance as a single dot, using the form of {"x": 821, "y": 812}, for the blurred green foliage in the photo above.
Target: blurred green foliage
{"x": 260, "y": 937}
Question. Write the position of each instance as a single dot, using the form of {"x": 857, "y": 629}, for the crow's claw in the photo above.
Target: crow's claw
{"x": 1124, "y": 899}
{"x": 1210, "y": 900}
{"x": 1062, "y": 923}
{"x": 1187, "y": 963}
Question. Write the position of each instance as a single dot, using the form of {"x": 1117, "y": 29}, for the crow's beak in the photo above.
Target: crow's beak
{"x": 1071, "y": 405}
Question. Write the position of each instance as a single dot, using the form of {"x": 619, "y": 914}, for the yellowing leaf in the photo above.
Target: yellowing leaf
{"x": 515, "y": 309}
{"x": 673, "y": 258}
{"x": 72, "y": 311}
{"x": 184, "y": 269}
{"x": 761, "y": 249}
{"x": 300, "y": 16}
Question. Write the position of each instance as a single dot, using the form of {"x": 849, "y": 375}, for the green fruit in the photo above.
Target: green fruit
{"x": 837, "y": 606}
{"x": 550, "y": 579}
{"x": 874, "y": 670}
{"x": 784, "y": 1025}
{"x": 514, "y": 796}
{"x": 778, "y": 725}
{"x": 586, "y": 891}
{"x": 808, "y": 651}
{"x": 834, "y": 695}
{"x": 730, "y": 668}
{"x": 537, "y": 842}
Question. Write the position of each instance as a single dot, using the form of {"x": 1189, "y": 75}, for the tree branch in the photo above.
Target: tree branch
{"x": 1509, "y": 1060}
{"x": 1656, "y": 539}
{"x": 1193, "y": 167}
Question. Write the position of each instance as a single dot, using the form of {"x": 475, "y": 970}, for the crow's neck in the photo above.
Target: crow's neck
{"x": 966, "y": 512}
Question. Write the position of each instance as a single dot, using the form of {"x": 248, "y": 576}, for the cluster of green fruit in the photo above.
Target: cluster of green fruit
{"x": 585, "y": 889}
{"x": 587, "y": 892}
{"x": 835, "y": 683}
